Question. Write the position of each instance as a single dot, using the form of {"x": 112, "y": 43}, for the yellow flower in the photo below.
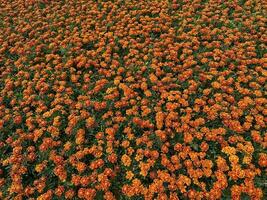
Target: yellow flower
{"x": 139, "y": 157}
{"x": 129, "y": 175}
{"x": 241, "y": 174}
{"x": 247, "y": 160}
{"x": 5, "y": 162}
{"x": 39, "y": 168}
{"x": 233, "y": 159}
{"x": 229, "y": 150}
{"x": 110, "y": 90}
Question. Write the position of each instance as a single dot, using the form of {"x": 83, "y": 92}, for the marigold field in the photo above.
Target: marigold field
{"x": 133, "y": 99}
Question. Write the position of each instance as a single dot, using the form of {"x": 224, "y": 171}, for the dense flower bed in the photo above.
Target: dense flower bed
{"x": 127, "y": 99}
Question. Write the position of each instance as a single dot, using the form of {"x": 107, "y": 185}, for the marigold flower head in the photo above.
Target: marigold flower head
{"x": 126, "y": 160}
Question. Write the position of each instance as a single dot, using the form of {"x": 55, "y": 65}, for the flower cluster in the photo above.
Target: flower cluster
{"x": 133, "y": 99}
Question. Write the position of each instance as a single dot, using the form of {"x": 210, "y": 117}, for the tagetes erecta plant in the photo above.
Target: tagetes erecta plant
{"x": 133, "y": 99}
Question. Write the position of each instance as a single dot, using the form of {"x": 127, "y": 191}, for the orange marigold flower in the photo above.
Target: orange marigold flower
{"x": 229, "y": 150}
{"x": 129, "y": 175}
{"x": 126, "y": 160}
{"x": 263, "y": 160}
{"x": 110, "y": 131}
{"x": 160, "y": 120}
{"x": 90, "y": 121}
